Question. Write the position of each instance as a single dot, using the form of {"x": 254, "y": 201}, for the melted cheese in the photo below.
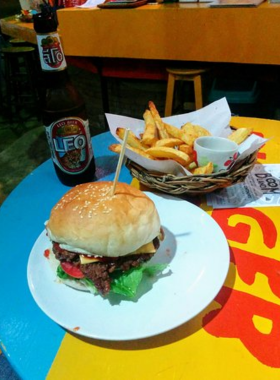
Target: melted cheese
{"x": 88, "y": 260}
{"x": 146, "y": 248}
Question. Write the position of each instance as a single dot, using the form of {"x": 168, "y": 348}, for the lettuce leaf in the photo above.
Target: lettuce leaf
{"x": 128, "y": 282}
{"x": 123, "y": 283}
{"x": 61, "y": 274}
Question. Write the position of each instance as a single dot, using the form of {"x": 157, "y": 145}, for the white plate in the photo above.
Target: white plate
{"x": 198, "y": 256}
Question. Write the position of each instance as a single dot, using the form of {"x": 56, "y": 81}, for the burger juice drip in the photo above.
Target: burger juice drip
{"x": 63, "y": 109}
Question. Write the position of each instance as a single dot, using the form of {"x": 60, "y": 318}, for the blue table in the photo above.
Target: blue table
{"x": 29, "y": 339}
{"x": 241, "y": 325}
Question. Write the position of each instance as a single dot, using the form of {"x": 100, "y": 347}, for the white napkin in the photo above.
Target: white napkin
{"x": 90, "y": 4}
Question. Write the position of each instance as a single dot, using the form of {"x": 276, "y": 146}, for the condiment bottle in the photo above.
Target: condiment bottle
{"x": 63, "y": 109}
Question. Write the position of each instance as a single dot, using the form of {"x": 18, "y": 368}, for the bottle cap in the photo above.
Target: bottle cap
{"x": 46, "y": 21}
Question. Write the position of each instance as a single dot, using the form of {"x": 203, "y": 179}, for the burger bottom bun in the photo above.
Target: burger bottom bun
{"x": 74, "y": 284}
{"x": 54, "y": 263}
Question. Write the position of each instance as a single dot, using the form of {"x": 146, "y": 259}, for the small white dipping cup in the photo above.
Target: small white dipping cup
{"x": 219, "y": 150}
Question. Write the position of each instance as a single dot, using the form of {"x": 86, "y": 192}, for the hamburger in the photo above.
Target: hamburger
{"x": 101, "y": 242}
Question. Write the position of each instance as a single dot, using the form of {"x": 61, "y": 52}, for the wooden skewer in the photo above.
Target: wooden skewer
{"x": 120, "y": 162}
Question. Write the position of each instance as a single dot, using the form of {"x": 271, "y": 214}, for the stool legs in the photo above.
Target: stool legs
{"x": 8, "y": 86}
{"x": 30, "y": 68}
{"x": 172, "y": 78}
{"x": 169, "y": 95}
{"x": 21, "y": 90}
{"x": 197, "y": 92}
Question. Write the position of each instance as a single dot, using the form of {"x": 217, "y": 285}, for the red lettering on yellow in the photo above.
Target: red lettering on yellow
{"x": 235, "y": 320}
{"x": 241, "y": 231}
{"x": 258, "y": 134}
{"x": 248, "y": 265}
{"x": 261, "y": 155}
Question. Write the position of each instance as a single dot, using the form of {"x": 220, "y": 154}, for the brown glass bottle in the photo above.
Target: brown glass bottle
{"x": 63, "y": 109}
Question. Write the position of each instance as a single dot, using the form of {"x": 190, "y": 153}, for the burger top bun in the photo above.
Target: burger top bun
{"x": 88, "y": 218}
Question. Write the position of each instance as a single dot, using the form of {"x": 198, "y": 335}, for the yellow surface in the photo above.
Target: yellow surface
{"x": 270, "y": 130}
{"x": 235, "y": 337}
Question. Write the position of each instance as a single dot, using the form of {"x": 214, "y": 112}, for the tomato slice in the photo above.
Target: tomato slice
{"x": 71, "y": 270}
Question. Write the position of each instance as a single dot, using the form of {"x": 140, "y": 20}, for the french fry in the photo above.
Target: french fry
{"x": 192, "y": 166}
{"x": 116, "y": 148}
{"x": 197, "y": 129}
{"x": 191, "y": 132}
{"x": 186, "y": 149}
{"x": 158, "y": 121}
{"x": 180, "y": 134}
{"x": 170, "y": 153}
{"x": 161, "y": 130}
{"x": 240, "y": 135}
{"x": 170, "y": 142}
{"x": 150, "y": 135}
{"x": 132, "y": 140}
{"x": 187, "y": 126}
{"x": 141, "y": 152}
{"x": 173, "y": 131}
{"x": 189, "y": 151}
{"x": 207, "y": 169}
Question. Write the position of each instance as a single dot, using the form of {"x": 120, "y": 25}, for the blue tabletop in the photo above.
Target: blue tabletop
{"x": 240, "y": 325}
{"x": 28, "y": 337}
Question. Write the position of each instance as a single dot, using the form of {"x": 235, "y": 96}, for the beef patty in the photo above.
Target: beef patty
{"x": 99, "y": 272}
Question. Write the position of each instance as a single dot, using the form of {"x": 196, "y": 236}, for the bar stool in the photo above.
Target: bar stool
{"x": 181, "y": 74}
{"x": 17, "y": 42}
{"x": 20, "y": 78}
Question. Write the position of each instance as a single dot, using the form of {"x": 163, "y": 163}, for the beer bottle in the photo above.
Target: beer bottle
{"x": 63, "y": 109}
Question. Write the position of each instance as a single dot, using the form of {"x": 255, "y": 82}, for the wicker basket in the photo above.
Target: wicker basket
{"x": 192, "y": 185}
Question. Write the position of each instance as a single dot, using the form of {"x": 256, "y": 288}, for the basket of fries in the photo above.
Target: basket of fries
{"x": 160, "y": 152}
{"x": 191, "y": 184}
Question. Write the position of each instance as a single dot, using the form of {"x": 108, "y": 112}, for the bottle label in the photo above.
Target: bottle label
{"x": 70, "y": 144}
{"x": 50, "y": 52}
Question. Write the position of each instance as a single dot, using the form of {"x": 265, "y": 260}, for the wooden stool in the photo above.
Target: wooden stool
{"x": 17, "y": 42}
{"x": 190, "y": 75}
{"x": 20, "y": 78}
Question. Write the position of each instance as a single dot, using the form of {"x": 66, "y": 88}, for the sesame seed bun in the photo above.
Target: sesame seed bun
{"x": 89, "y": 219}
